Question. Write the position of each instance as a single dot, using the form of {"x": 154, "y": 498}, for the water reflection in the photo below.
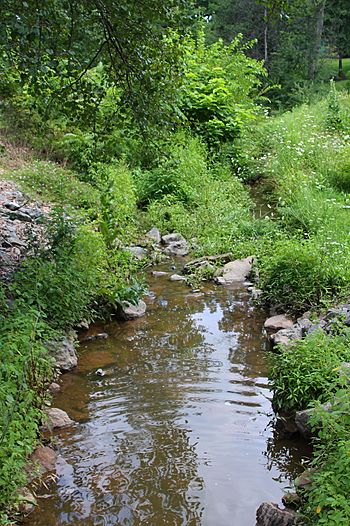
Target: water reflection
{"x": 177, "y": 432}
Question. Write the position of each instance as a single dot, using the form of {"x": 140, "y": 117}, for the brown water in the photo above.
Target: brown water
{"x": 179, "y": 431}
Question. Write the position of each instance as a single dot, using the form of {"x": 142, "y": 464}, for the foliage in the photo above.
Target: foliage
{"x": 327, "y": 502}
{"x": 220, "y": 88}
{"x": 118, "y": 202}
{"x": 179, "y": 172}
{"x": 308, "y": 370}
{"x": 24, "y": 371}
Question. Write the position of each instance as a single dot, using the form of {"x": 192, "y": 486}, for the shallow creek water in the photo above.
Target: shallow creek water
{"x": 180, "y": 429}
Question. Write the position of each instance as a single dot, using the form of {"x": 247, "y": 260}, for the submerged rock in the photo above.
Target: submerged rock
{"x": 276, "y": 323}
{"x": 269, "y": 514}
{"x": 27, "y": 501}
{"x": 56, "y": 419}
{"x": 130, "y": 312}
{"x": 63, "y": 352}
{"x": 159, "y": 273}
{"x": 235, "y": 271}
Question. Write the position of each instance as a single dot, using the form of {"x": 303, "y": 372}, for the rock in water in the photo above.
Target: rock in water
{"x": 130, "y": 312}
{"x": 44, "y": 459}
{"x": 63, "y": 352}
{"x": 177, "y": 277}
{"x": 235, "y": 271}
{"x": 276, "y": 323}
{"x": 269, "y": 514}
{"x": 56, "y": 419}
{"x": 175, "y": 245}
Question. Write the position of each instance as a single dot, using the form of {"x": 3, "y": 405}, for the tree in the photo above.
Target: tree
{"x": 67, "y": 37}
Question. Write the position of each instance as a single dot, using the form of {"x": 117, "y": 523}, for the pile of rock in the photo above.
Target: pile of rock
{"x": 21, "y": 226}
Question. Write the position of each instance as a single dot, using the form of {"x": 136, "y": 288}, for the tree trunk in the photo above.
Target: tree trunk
{"x": 266, "y": 51}
{"x": 316, "y": 44}
{"x": 341, "y": 74}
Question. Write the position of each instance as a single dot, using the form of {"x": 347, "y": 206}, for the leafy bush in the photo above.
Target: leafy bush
{"x": 220, "y": 88}
{"x": 308, "y": 370}
{"x": 180, "y": 172}
{"x": 24, "y": 371}
{"x": 327, "y": 502}
{"x": 117, "y": 214}
{"x": 301, "y": 274}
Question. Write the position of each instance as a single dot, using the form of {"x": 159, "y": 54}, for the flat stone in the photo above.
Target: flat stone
{"x": 269, "y": 514}
{"x": 154, "y": 235}
{"x": 44, "y": 459}
{"x": 177, "y": 277}
{"x": 205, "y": 261}
{"x": 56, "y": 419}
{"x": 276, "y": 323}
{"x": 130, "y": 312}
{"x": 235, "y": 271}
{"x": 159, "y": 273}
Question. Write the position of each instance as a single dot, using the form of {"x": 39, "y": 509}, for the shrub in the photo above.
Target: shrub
{"x": 24, "y": 371}
{"x": 302, "y": 274}
{"x": 327, "y": 502}
{"x": 180, "y": 173}
{"x": 117, "y": 213}
{"x": 308, "y": 370}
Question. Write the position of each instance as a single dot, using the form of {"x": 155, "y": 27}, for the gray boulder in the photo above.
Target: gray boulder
{"x": 175, "y": 245}
{"x": 63, "y": 352}
{"x": 130, "y": 312}
{"x": 137, "y": 252}
{"x": 287, "y": 336}
{"x": 303, "y": 420}
{"x": 235, "y": 271}
{"x": 269, "y": 514}
{"x": 276, "y": 323}
{"x": 154, "y": 235}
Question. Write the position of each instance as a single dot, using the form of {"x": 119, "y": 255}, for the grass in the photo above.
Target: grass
{"x": 329, "y": 69}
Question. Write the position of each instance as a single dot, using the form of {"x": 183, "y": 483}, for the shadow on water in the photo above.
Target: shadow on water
{"x": 179, "y": 430}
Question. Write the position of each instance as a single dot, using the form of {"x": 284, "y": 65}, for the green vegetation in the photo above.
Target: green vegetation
{"x": 153, "y": 120}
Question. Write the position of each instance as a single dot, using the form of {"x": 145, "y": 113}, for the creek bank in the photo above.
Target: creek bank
{"x": 22, "y": 227}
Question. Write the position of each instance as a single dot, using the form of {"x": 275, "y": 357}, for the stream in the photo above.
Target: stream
{"x": 180, "y": 430}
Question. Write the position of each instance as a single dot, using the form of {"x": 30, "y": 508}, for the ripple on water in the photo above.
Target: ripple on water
{"x": 178, "y": 432}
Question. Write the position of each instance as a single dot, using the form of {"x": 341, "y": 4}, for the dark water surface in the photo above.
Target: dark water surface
{"x": 179, "y": 430}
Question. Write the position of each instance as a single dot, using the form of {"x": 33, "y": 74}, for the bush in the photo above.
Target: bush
{"x": 24, "y": 371}
{"x": 302, "y": 274}
{"x": 117, "y": 213}
{"x": 327, "y": 502}
{"x": 180, "y": 172}
{"x": 308, "y": 370}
